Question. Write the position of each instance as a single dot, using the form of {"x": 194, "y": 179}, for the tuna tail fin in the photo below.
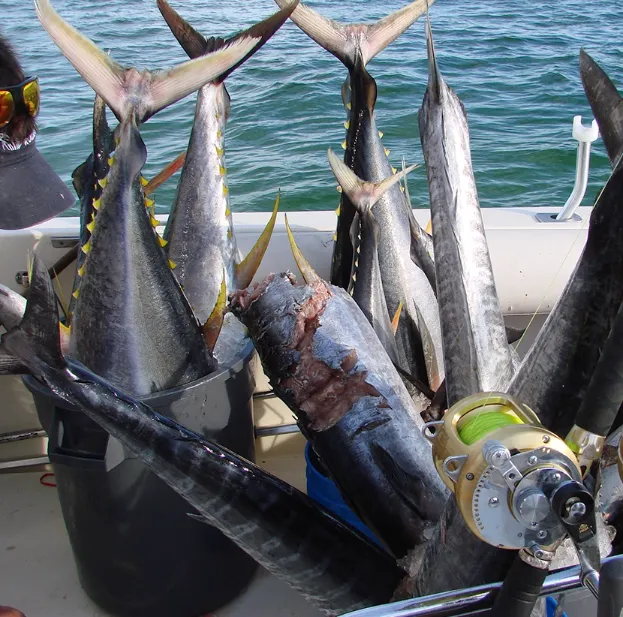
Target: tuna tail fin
{"x": 212, "y": 327}
{"x": 348, "y": 42}
{"x": 606, "y": 104}
{"x": 126, "y": 91}
{"x": 37, "y": 338}
{"x": 195, "y": 45}
{"x": 362, "y": 194}
{"x": 309, "y": 274}
{"x": 246, "y": 269}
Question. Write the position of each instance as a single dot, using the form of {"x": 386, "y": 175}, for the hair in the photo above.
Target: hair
{"x": 11, "y": 73}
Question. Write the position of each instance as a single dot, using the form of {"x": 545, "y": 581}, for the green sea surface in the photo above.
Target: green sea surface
{"x": 513, "y": 64}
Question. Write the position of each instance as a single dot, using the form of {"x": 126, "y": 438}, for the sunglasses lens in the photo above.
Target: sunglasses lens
{"x": 6, "y": 107}
{"x": 31, "y": 98}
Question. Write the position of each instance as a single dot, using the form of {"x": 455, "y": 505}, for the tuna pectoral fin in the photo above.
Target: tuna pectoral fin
{"x": 195, "y": 45}
{"x": 246, "y": 269}
{"x": 125, "y": 90}
{"x": 347, "y": 41}
{"x": 362, "y": 194}
{"x": 606, "y": 104}
{"x": 175, "y": 165}
{"x": 309, "y": 274}
{"x": 40, "y": 326}
{"x": 212, "y": 327}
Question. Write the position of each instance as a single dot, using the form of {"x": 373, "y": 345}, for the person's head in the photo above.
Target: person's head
{"x": 22, "y": 123}
{"x": 30, "y": 190}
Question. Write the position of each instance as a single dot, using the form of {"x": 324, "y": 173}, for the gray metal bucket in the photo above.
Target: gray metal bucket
{"x": 137, "y": 551}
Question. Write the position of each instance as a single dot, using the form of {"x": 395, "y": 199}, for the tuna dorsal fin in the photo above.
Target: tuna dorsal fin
{"x": 212, "y": 327}
{"x": 362, "y": 194}
{"x": 246, "y": 269}
{"x": 309, "y": 274}
{"x": 606, "y": 104}
{"x": 349, "y": 41}
{"x": 195, "y": 45}
{"x": 126, "y": 91}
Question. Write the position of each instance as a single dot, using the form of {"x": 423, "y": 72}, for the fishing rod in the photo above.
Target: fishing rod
{"x": 520, "y": 486}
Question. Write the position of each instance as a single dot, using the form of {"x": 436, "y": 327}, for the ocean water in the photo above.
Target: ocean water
{"x": 513, "y": 64}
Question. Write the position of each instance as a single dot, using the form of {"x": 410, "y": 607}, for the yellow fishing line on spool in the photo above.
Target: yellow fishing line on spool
{"x": 482, "y": 423}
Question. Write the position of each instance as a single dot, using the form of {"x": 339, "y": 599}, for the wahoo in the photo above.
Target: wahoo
{"x": 335, "y": 568}
{"x": 199, "y": 233}
{"x": 132, "y": 323}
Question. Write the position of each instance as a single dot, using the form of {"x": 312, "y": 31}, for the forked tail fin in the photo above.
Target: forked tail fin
{"x": 348, "y": 42}
{"x": 196, "y": 45}
{"x": 126, "y": 91}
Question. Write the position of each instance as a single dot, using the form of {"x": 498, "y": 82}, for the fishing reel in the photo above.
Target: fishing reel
{"x": 517, "y": 485}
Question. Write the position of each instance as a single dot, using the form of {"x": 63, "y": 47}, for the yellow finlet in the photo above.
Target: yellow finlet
{"x": 219, "y": 151}
{"x": 172, "y": 265}
{"x": 246, "y": 269}
{"x": 76, "y": 294}
{"x": 337, "y": 210}
{"x": 344, "y": 145}
{"x": 349, "y": 106}
{"x": 309, "y": 274}
{"x": 338, "y": 188}
{"x": 230, "y": 233}
{"x": 381, "y": 134}
{"x": 81, "y": 270}
{"x": 212, "y": 327}
{"x": 394, "y": 170}
{"x": 219, "y": 134}
{"x": 103, "y": 181}
{"x": 225, "y": 189}
{"x": 154, "y": 221}
{"x": 222, "y": 170}
{"x": 149, "y": 202}
{"x": 396, "y": 318}
{"x": 91, "y": 226}
{"x": 429, "y": 227}
{"x": 97, "y": 203}
{"x": 334, "y": 237}
{"x": 227, "y": 212}
{"x": 387, "y": 151}
{"x": 86, "y": 247}
{"x": 144, "y": 181}
{"x": 347, "y": 124}
{"x": 402, "y": 188}
{"x": 354, "y": 277}
{"x": 161, "y": 241}
{"x": 111, "y": 160}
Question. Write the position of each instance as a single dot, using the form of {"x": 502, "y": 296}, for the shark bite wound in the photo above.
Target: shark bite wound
{"x": 322, "y": 392}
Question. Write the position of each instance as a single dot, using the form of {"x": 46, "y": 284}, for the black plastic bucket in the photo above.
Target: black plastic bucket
{"x": 137, "y": 551}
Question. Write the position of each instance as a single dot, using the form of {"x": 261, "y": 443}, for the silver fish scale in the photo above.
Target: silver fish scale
{"x": 476, "y": 351}
{"x": 403, "y": 280}
{"x": 199, "y": 232}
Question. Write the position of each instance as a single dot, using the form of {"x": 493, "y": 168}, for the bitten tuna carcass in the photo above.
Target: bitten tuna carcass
{"x": 327, "y": 364}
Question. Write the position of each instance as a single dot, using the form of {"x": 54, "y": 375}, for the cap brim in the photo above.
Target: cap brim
{"x": 30, "y": 190}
